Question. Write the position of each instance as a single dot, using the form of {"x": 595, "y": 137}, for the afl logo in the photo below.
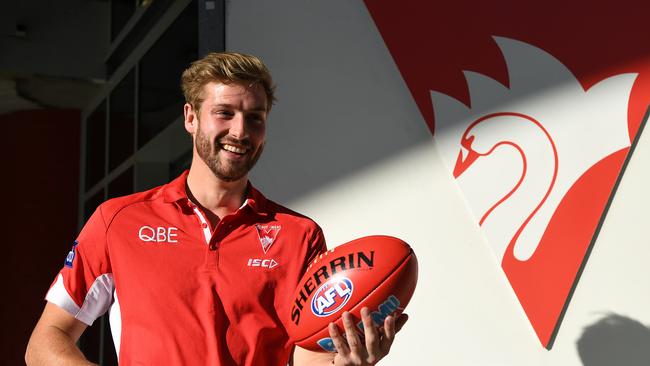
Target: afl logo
{"x": 331, "y": 296}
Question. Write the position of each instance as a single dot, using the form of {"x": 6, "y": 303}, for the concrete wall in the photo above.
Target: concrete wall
{"x": 348, "y": 146}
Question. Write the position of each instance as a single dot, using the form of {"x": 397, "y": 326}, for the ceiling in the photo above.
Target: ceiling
{"x": 52, "y": 53}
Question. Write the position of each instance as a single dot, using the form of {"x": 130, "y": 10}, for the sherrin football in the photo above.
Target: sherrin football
{"x": 378, "y": 272}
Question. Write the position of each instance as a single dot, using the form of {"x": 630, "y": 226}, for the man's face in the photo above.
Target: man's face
{"x": 230, "y": 128}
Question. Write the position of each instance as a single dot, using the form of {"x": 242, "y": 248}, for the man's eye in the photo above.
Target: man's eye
{"x": 223, "y": 113}
{"x": 258, "y": 119}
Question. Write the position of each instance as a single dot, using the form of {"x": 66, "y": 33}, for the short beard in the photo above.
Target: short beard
{"x": 227, "y": 172}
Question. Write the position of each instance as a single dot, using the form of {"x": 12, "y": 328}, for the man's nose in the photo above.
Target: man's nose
{"x": 238, "y": 126}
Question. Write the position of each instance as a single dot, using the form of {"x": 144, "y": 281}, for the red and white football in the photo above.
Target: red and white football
{"x": 378, "y": 272}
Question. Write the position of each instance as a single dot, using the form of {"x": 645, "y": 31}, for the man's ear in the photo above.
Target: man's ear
{"x": 191, "y": 118}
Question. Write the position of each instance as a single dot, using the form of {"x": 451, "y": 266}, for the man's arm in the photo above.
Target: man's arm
{"x": 352, "y": 350}
{"x": 53, "y": 339}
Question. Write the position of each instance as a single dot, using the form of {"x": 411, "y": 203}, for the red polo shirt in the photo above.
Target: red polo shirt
{"x": 180, "y": 292}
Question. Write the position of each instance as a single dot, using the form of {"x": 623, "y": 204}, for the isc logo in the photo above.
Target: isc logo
{"x": 266, "y": 263}
{"x": 331, "y": 296}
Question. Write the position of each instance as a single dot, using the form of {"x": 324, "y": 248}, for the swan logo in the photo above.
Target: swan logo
{"x": 267, "y": 235}
{"x": 518, "y": 154}
{"x": 537, "y": 135}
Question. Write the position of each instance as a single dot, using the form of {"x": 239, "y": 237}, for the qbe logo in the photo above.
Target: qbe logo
{"x": 158, "y": 234}
{"x": 331, "y": 296}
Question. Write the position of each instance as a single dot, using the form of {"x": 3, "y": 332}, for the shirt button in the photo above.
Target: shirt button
{"x": 204, "y": 225}
{"x": 213, "y": 247}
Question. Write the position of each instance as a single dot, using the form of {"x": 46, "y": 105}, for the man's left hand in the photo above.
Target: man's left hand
{"x": 352, "y": 350}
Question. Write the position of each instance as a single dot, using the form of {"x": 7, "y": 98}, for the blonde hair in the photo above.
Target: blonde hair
{"x": 226, "y": 68}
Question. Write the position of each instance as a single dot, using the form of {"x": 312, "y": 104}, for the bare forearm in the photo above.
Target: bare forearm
{"x": 303, "y": 357}
{"x": 50, "y": 345}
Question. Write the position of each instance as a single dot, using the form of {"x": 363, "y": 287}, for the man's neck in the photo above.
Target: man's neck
{"x": 217, "y": 197}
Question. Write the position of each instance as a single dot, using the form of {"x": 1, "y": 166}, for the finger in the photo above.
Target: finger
{"x": 356, "y": 347}
{"x": 371, "y": 333}
{"x": 337, "y": 339}
{"x": 389, "y": 333}
{"x": 399, "y": 323}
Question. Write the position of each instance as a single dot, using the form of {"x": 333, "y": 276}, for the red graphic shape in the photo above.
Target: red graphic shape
{"x": 544, "y": 282}
{"x": 432, "y": 43}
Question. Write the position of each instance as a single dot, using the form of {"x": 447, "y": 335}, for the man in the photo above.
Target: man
{"x": 174, "y": 266}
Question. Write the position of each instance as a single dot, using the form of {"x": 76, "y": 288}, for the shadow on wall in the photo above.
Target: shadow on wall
{"x": 615, "y": 340}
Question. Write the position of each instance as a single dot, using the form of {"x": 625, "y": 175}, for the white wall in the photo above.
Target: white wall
{"x": 348, "y": 147}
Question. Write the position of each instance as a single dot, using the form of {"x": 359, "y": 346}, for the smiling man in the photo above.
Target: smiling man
{"x": 210, "y": 280}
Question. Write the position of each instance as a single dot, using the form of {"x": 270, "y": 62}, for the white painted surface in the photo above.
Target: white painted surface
{"x": 348, "y": 147}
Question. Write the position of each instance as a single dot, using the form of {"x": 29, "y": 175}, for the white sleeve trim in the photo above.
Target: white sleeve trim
{"x": 115, "y": 321}
{"x": 97, "y": 301}
{"x": 59, "y": 296}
